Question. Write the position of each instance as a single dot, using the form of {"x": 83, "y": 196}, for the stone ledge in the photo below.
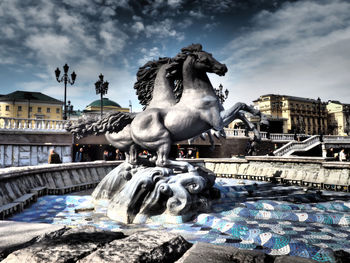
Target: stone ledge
{"x": 292, "y": 159}
{"x": 9, "y": 209}
{"x": 224, "y": 160}
{"x": 337, "y": 165}
{"x": 12, "y": 172}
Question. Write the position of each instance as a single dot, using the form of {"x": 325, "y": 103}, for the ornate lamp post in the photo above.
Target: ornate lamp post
{"x": 65, "y": 79}
{"x": 101, "y": 88}
{"x": 221, "y": 95}
{"x": 70, "y": 109}
{"x": 319, "y": 116}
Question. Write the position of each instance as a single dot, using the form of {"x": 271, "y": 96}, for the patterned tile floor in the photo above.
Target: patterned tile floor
{"x": 278, "y": 220}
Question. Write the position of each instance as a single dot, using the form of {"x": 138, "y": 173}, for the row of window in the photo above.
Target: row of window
{"x": 48, "y": 110}
{"x": 308, "y": 121}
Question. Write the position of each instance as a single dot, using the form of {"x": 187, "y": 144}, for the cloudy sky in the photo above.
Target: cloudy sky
{"x": 299, "y": 48}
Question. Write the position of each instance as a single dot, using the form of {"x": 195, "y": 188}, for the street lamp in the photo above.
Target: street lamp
{"x": 65, "y": 79}
{"x": 101, "y": 88}
{"x": 70, "y": 109}
{"x": 130, "y": 105}
{"x": 222, "y": 97}
{"x": 319, "y": 115}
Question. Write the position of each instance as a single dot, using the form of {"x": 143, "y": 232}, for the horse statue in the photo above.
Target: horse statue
{"x": 179, "y": 104}
{"x": 168, "y": 99}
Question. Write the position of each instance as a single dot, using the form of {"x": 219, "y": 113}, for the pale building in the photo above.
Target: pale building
{"x": 94, "y": 108}
{"x": 338, "y": 118}
{"x": 296, "y": 114}
{"x": 32, "y": 105}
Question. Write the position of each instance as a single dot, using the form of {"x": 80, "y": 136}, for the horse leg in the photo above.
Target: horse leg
{"x": 163, "y": 161}
{"x": 123, "y": 141}
{"x": 231, "y": 114}
{"x": 133, "y": 154}
{"x": 251, "y": 126}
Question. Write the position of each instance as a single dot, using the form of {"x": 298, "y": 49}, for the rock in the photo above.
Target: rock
{"x": 150, "y": 246}
{"x": 204, "y": 252}
{"x": 342, "y": 256}
{"x": 18, "y": 235}
{"x": 73, "y": 245}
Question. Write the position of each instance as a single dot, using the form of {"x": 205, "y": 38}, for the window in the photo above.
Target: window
{"x": 7, "y": 108}
{"x": 48, "y": 110}
{"x": 30, "y": 109}
{"x": 39, "y": 109}
{"x": 19, "y": 108}
{"x": 57, "y": 110}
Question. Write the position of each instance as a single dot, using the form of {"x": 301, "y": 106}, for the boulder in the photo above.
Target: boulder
{"x": 73, "y": 245}
{"x": 150, "y": 246}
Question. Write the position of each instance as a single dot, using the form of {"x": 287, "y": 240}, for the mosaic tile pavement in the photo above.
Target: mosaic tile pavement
{"x": 277, "y": 220}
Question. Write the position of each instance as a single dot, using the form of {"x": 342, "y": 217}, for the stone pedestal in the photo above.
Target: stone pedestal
{"x": 137, "y": 193}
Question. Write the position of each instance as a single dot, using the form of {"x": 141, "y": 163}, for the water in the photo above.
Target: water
{"x": 277, "y": 220}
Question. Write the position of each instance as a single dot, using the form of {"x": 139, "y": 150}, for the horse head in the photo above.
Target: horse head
{"x": 203, "y": 61}
{"x": 207, "y": 63}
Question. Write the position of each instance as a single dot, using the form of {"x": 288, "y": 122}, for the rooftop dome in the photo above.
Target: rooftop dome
{"x": 106, "y": 102}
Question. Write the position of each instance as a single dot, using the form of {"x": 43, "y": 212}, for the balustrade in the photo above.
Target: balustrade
{"x": 295, "y": 146}
{"x": 31, "y": 124}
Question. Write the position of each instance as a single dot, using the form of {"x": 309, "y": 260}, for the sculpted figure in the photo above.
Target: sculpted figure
{"x": 179, "y": 104}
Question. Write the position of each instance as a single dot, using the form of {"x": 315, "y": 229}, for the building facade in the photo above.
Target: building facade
{"x": 31, "y": 105}
{"x": 296, "y": 114}
{"x": 338, "y": 118}
{"x": 94, "y": 108}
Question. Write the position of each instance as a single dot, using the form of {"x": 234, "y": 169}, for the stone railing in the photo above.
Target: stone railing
{"x": 293, "y": 146}
{"x": 336, "y": 139}
{"x": 264, "y": 136}
{"x": 283, "y": 136}
{"x": 235, "y": 132}
{"x": 314, "y": 172}
{"x": 25, "y": 124}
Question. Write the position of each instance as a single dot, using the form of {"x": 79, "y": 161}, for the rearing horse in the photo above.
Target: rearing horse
{"x": 197, "y": 111}
{"x": 169, "y": 118}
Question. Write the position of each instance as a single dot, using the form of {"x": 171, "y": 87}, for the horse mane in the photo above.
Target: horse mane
{"x": 146, "y": 74}
{"x": 113, "y": 122}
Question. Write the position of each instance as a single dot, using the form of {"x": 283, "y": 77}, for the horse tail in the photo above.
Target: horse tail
{"x": 114, "y": 122}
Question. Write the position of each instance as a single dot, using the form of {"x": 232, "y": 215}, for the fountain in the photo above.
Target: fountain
{"x": 179, "y": 103}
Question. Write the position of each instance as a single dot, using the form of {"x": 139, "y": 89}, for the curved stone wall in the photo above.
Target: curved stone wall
{"x": 16, "y": 182}
{"x": 304, "y": 171}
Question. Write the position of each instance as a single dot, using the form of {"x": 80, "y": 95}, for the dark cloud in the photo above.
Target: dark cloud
{"x": 116, "y": 37}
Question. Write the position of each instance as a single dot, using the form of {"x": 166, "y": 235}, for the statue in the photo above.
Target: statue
{"x": 179, "y": 103}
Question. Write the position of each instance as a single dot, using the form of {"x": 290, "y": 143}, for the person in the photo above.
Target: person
{"x": 342, "y": 155}
{"x": 54, "y": 157}
{"x": 324, "y": 153}
{"x": 181, "y": 154}
{"x": 105, "y": 155}
{"x": 253, "y": 148}
{"x": 79, "y": 155}
{"x": 330, "y": 153}
{"x": 247, "y": 147}
{"x": 118, "y": 155}
{"x": 190, "y": 154}
{"x": 295, "y": 136}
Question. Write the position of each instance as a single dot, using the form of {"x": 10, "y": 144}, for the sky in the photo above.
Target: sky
{"x": 298, "y": 48}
